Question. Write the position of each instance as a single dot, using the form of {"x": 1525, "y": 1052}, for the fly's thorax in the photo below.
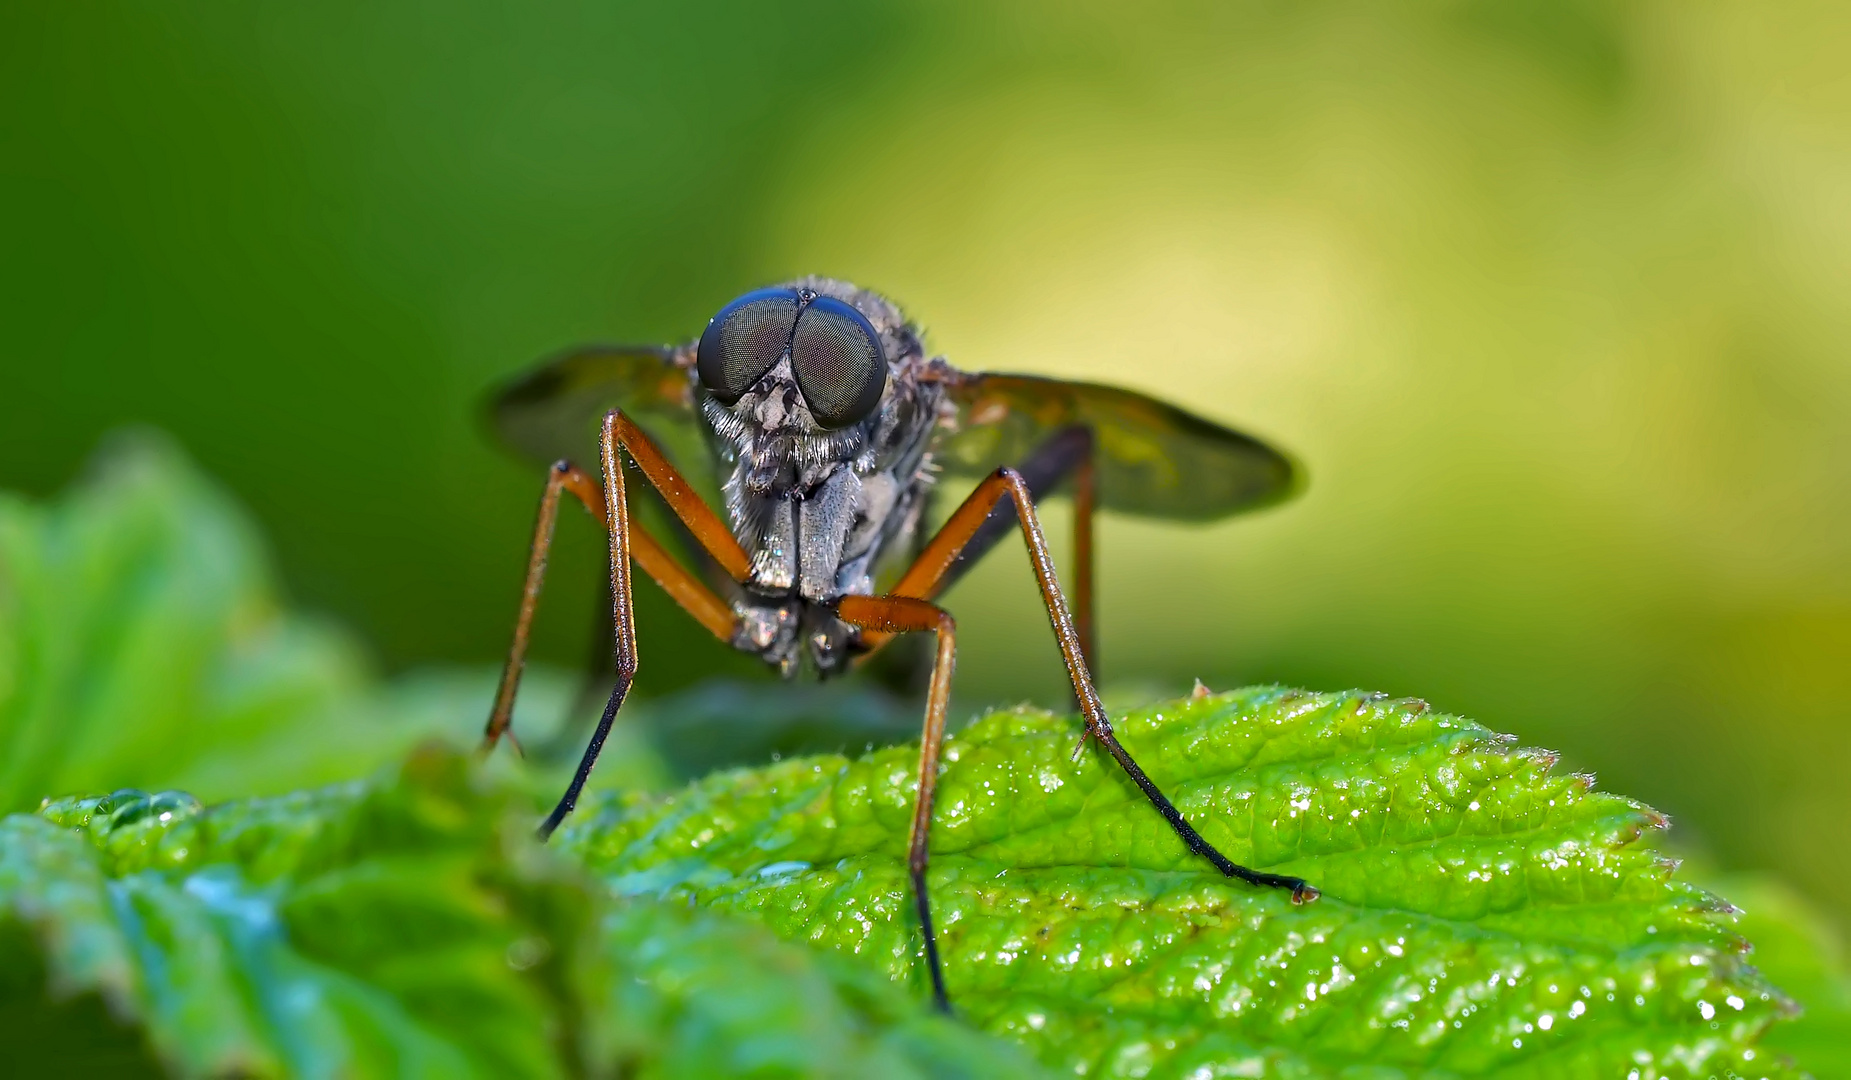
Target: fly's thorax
{"x": 814, "y": 510}
{"x": 793, "y": 489}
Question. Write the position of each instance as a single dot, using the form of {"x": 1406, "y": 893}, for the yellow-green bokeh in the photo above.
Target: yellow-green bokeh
{"x": 1549, "y": 297}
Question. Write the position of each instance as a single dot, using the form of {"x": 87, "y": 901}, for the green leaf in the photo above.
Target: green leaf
{"x": 405, "y": 927}
{"x": 1481, "y": 914}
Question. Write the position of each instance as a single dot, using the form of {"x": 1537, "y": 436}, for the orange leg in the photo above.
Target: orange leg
{"x": 898, "y": 614}
{"x": 627, "y": 542}
{"x": 923, "y": 580}
{"x": 1068, "y": 452}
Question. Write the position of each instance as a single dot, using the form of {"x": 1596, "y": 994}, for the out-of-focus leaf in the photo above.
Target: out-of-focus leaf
{"x": 723, "y": 723}
{"x": 140, "y": 640}
{"x": 405, "y": 927}
{"x": 142, "y": 645}
{"x": 1797, "y": 950}
{"x": 1481, "y": 915}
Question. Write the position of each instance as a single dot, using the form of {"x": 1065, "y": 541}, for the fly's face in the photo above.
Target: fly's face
{"x": 794, "y": 379}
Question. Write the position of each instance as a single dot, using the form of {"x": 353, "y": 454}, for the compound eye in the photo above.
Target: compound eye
{"x": 840, "y": 366}
{"x": 744, "y": 340}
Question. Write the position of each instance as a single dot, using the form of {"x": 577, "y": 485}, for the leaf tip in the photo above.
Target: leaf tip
{"x": 1543, "y": 759}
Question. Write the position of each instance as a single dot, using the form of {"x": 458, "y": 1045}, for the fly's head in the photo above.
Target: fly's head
{"x": 798, "y": 379}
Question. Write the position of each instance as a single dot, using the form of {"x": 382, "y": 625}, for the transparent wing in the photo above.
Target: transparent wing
{"x": 1154, "y": 459}
{"x": 554, "y": 411}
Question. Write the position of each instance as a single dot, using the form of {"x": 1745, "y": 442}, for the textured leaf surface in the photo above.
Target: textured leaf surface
{"x": 1482, "y": 915}
{"x": 406, "y": 928}
{"x": 356, "y": 930}
{"x": 714, "y": 995}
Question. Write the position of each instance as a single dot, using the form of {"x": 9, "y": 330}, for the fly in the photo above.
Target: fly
{"x": 828, "y": 426}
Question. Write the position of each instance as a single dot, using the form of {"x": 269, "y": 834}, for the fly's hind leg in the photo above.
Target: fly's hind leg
{"x": 926, "y": 576}
{"x": 562, "y": 477}
{"x": 628, "y": 542}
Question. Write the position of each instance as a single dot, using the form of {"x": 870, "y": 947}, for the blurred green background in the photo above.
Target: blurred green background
{"x": 1550, "y": 297}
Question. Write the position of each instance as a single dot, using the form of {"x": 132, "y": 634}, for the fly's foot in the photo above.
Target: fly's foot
{"x": 770, "y": 631}
{"x": 1303, "y": 892}
{"x": 487, "y": 745}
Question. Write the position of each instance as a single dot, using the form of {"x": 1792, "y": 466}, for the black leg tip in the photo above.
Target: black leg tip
{"x": 489, "y": 742}
{"x": 1303, "y": 892}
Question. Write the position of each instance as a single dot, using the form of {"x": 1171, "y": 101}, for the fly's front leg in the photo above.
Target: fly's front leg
{"x": 628, "y": 542}
{"x": 899, "y": 614}
{"x": 925, "y": 577}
